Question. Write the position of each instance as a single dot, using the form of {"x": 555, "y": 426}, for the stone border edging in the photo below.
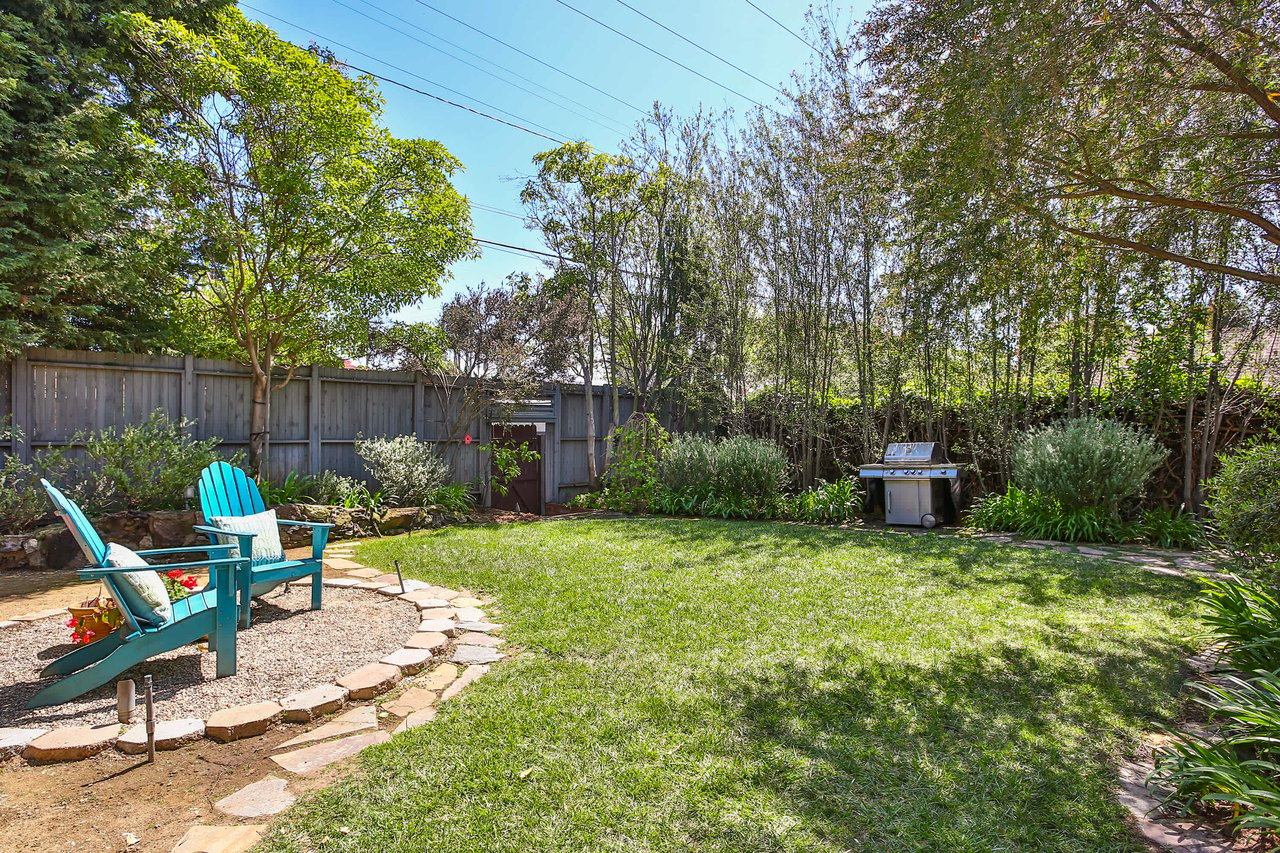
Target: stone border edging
{"x": 453, "y": 631}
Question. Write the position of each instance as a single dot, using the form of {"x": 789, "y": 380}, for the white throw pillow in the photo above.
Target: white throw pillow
{"x": 144, "y": 592}
{"x": 266, "y": 544}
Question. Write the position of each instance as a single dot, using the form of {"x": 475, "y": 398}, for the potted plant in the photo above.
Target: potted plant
{"x": 93, "y": 620}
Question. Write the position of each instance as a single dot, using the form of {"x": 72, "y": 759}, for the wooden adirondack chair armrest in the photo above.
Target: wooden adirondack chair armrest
{"x": 319, "y": 534}
{"x": 297, "y": 523}
{"x": 192, "y": 549}
{"x": 93, "y": 572}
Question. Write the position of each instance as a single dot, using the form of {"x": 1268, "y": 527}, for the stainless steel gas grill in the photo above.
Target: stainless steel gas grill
{"x": 917, "y": 482}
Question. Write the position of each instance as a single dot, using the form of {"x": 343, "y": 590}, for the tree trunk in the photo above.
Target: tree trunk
{"x": 260, "y": 420}
{"x": 588, "y": 376}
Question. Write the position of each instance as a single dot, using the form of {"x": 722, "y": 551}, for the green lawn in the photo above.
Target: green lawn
{"x": 732, "y": 686}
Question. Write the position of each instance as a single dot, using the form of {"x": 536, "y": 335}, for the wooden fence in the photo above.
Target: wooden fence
{"x": 315, "y": 419}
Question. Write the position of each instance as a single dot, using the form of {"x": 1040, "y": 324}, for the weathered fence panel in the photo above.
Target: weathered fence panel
{"x": 50, "y": 395}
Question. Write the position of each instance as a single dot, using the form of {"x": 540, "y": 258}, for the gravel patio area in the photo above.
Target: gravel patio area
{"x": 289, "y": 648}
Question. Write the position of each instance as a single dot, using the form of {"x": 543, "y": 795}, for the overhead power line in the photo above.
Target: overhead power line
{"x": 489, "y": 61}
{"x": 557, "y": 138}
{"x": 798, "y": 37}
{"x": 701, "y": 48}
{"x": 657, "y": 52}
{"x": 530, "y": 56}
{"x": 441, "y": 50}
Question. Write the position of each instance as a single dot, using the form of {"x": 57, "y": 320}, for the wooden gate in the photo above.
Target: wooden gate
{"x": 524, "y": 494}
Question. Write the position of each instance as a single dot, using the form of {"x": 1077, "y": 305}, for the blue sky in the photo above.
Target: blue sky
{"x": 497, "y": 157}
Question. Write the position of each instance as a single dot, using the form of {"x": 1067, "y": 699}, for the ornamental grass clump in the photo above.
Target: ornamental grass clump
{"x": 738, "y": 477}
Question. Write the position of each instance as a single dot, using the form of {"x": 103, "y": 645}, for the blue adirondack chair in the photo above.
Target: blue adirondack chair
{"x": 211, "y": 613}
{"x": 227, "y": 491}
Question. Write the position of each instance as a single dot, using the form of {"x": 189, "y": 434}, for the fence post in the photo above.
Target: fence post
{"x": 315, "y": 392}
{"x": 20, "y": 388}
{"x": 187, "y": 398}
{"x": 556, "y": 410}
{"x": 419, "y": 399}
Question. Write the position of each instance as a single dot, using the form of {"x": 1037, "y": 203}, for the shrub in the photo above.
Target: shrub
{"x": 632, "y": 479}
{"x": 455, "y": 497}
{"x": 824, "y": 503}
{"x": 1245, "y": 501}
{"x": 410, "y": 473}
{"x": 332, "y": 489}
{"x": 22, "y": 501}
{"x": 150, "y": 465}
{"x": 1169, "y": 528}
{"x": 1040, "y": 516}
{"x": 1086, "y": 462}
{"x": 294, "y": 488}
{"x": 1245, "y": 617}
{"x": 738, "y": 477}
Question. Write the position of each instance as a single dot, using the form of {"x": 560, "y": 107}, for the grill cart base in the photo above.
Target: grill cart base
{"x": 916, "y": 483}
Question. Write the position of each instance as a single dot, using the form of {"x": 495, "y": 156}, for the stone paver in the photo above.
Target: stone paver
{"x": 170, "y": 734}
{"x": 480, "y": 627}
{"x": 342, "y": 564}
{"x": 341, "y": 583}
{"x": 1183, "y": 836}
{"x": 1091, "y": 552}
{"x": 386, "y": 579}
{"x": 442, "y": 626}
{"x": 71, "y": 744}
{"x": 433, "y": 612}
{"x": 410, "y": 585}
{"x": 476, "y": 654}
{"x": 474, "y": 638}
{"x": 433, "y": 640}
{"x": 316, "y": 702}
{"x": 469, "y": 675}
{"x": 355, "y": 720}
{"x": 410, "y": 661}
{"x": 242, "y": 721}
{"x": 443, "y": 592}
{"x": 373, "y": 585}
{"x": 220, "y": 839}
{"x": 413, "y": 699}
{"x": 468, "y": 614}
{"x": 312, "y": 758}
{"x": 370, "y": 680}
{"x": 13, "y": 741}
{"x": 9, "y": 623}
{"x": 440, "y": 677}
{"x": 425, "y": 598}
{"x": 466, "y": 601}
{"x": 417, "y": 718}
{"x": 258, "y": 799}
{"x": 363, "y": 572}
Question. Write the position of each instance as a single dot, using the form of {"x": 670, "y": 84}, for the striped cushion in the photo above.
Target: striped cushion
{"x": 266, "y": 544}
{"x": 144, "y": 592}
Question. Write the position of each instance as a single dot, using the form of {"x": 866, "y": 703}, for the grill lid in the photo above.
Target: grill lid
{"x": 913, "y": 453}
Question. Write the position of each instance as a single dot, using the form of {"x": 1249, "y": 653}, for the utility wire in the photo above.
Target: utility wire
{"x": 657, "y": 52}
{"x": 491, "y": 209}
{"x": 558, "y": 138}
{"x": 531, "y": 56}
{"x": 426, "y": 44}
{"x": 799, "y": 37}
{"x": 701, "y": 48}
{"x": 497, "y": 65}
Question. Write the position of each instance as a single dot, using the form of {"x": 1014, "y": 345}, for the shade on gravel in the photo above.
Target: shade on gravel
{"x": 288, "y": 648}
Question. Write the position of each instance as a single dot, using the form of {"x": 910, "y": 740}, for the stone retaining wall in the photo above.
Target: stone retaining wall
{"x": 51, "y": 547}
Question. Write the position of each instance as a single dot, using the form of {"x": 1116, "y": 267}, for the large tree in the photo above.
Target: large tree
{"x": 81, "y": 264}
{"x": 1150, "y": 127}
{"x": 307, "y": 218}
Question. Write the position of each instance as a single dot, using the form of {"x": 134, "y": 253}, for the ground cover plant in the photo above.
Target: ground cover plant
{"x": 742, "y": 686}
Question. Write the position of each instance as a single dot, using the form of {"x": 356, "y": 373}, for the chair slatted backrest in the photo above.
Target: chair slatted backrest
{"x": 95, "y": 550}
{"x": 226, "y": 490}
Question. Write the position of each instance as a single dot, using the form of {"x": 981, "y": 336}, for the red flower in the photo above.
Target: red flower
{"x": 189, "y": 582}
{"x": 71, "y": 623}
{"x": 175, "y": 573}
{"x": 76, "y": 637}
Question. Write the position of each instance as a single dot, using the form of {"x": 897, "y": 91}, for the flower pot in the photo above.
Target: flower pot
{"x": 95, "y": 621}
